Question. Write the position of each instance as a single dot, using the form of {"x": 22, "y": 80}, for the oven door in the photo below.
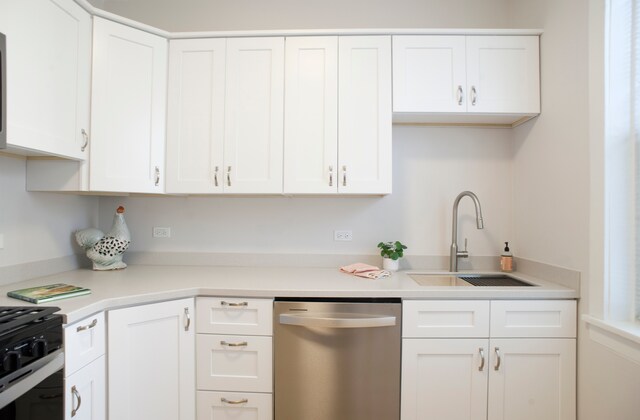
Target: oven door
{"x": 37, "y": 391}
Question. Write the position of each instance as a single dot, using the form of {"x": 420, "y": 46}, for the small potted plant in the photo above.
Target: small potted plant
{"x": 391, "y": 253}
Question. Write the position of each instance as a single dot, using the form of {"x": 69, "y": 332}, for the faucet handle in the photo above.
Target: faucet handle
{"x": 464, "y": 253}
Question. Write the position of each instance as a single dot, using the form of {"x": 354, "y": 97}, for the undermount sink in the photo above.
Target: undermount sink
{"x": 467, "y": 280}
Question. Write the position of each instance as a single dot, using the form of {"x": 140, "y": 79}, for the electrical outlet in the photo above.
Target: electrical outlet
{"x": 161, "y": 232}
{"x": 342, "y": 235}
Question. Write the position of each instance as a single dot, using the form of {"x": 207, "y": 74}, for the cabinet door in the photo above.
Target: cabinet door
{"x": 152, "y": 362}
{"x": 503, "y": 74}
{"x": 254, "y": 114}
{"x": 311, "y": 115}
{"x": 48, "y": 75}
{"x": 444, "y": 379}
{"x": 195, "y": 121}
{"x": 429, "y": 74}
{"x": 364, "y": 115}
{"x": 84, "y": 393}
{"x": 128, "y": 109}
{"x": 532, "y": 379}
{"x": 234, "y": 406}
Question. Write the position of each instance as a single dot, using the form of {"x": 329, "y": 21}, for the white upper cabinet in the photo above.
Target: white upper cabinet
{"x": 195, "y": 122}
{"x": 429, "y": 74}
{"x": 48, "y": 76}
{"x": 503, "y": 74}
{"x": 254, "y": 116}
{"x": 364, "y": 114}
{"x": 128, "y": 109}
{"x": 311, "y": 115}
{"x": 225, "y": 123}
{"x": 477, "y": 79}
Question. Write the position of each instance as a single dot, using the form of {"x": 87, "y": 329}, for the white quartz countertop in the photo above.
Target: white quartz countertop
{"x": 139, "y": 284}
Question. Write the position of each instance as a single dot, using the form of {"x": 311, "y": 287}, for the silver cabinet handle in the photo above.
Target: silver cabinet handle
{"x": 215, "y": 176}
{"x": 474, "y": 95}
{"x": 86, "y": 140}
{"x": 76, "y": 394}
{"x": 334, "y": 320}
{"x": 344, "y": 175}
{"x": 459, "y": 95}
{"x": 330, "y": 176}
{"x": 241, "y": 344}
{"x": 226, "y": 401}
{"x": 187, "y": 319}
{"x": 481, "y": 351}
{"x": 229, "y": 176}
{"x": 499, "y": 360}
{"x": 225, "y": 303}
{"x": 157, "y": 176}
{"x": 87, "y": 327}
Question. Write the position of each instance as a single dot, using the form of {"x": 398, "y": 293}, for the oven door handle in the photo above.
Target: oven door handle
{"x": 31, "y": 375}
{"x": 338, "y": 320}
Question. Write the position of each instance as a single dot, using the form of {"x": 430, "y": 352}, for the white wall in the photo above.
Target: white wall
{"x": 552, "y": 197}
{"x": 208, "y": 15}
{"x": 431, "y": 166}
{"x": 38, "y": 226}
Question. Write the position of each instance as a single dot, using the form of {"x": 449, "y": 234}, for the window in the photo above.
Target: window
{"x": 622, "y": 160}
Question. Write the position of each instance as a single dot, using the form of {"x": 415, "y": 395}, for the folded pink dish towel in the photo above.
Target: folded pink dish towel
{"x": 365, "y": 270}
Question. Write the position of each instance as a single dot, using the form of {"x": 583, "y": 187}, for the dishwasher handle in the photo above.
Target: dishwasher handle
{"x": 338, "y": 320}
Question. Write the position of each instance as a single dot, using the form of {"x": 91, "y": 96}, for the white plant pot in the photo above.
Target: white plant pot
{"x": 390, "y": 265}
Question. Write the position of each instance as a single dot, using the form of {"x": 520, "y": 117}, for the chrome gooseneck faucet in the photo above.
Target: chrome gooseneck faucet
{"x": 455, "y": 254}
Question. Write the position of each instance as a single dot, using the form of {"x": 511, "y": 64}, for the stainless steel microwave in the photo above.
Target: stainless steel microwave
{"x": 3, "y": 92}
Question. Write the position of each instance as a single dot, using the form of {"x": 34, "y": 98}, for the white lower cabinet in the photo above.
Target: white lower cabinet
{"x": 151, "y": 362}
{"x": 444, "y": 379}
{"x": 496, "y": 377}
{"x": 84, "y": 393}
{"x": 234, "y": 406}
{"x": 532, "y": 379}
{"x": 234, "y": 354}
{"x": 84, "y": 369}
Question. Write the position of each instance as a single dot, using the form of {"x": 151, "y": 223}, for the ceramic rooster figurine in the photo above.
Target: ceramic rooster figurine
{"x": 105, "y": 250}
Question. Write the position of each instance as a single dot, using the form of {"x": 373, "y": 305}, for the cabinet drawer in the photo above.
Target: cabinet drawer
{"x": 234, "y": 363}
{"x": 84, "y": 342}
{"x": 538, "y": 318}
{"x": 234, "y": 316}
{"x": 445, "y": 318}
{"x": 233, "y": 406}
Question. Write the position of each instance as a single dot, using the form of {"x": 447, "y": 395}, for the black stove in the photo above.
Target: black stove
{"x": 27, "y": 334}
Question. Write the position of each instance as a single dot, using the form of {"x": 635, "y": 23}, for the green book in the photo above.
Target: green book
{"x": 48, "y": 293}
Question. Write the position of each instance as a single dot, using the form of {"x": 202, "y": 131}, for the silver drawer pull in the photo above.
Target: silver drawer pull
{"x": 76, "y": 394}
{"x": 481, "y": 351}
{"x": 157, "y": 182}
{"x": 215, "y": 176}
{"x": 459, "y": 95}
{"x": 241, "y": 344}
{"x": 87, "y": 327}
{"x": 224, "y": 303}
{"x": 499, "y": 360}
{"x": 242, "y": 401}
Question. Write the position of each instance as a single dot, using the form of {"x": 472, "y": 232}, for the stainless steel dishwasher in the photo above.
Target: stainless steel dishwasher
{"x": 337, "y": 359}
